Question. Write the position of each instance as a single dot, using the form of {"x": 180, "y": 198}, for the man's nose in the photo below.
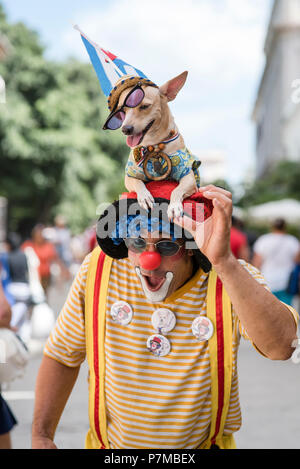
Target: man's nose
{"x": 150, "y": 260}
{"x": 127, "y": 129}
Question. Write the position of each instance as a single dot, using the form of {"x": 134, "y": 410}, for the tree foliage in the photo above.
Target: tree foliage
{"x": 54, "y": 156}
{"x": 280, "y": 183}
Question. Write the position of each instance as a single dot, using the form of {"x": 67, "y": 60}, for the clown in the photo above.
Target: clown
{"x": 161, "y": 390}
{"x": 193, "y": 274}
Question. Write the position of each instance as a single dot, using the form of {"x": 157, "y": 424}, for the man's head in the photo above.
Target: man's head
{"x": 279, "y": 225}
{"x": 162, "y": 253}
{"x": 37, "y": 234}
{"x": 60, "y": 221}
{"x": 174, "y": 267}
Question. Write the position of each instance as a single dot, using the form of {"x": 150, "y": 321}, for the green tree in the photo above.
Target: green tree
{"x": 54, "y": 156}
{"x": 280, "y": 183}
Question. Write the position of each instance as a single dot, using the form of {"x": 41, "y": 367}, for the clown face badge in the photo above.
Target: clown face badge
{"x": 121, "y": 313}
{"x": 202, "y": 328}
{"x": 158, "y": 345}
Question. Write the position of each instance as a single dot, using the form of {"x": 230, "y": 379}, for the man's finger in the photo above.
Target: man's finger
{"x": 222, "y": 198}
{"x": 221, "y": 215}
{"x": 211, "y": 187}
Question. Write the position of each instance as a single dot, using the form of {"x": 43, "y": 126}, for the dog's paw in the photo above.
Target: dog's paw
{"x": 145, "y": 199}
{"x": 175, "y": 210}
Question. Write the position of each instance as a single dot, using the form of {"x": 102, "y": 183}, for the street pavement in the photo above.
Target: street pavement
{"x": 269, "y": 396}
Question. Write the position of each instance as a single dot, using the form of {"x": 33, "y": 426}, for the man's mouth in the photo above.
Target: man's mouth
{"x": 135, "y": 140}
{"x": 155, "y": 287}
{"x": 153, "y": 283}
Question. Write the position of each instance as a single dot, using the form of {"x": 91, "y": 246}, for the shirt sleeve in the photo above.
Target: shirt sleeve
{"x": 256, "y": 274}
{"x": 66, "y": 343}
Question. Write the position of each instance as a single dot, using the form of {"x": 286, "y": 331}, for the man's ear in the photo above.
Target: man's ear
{"x": 172, "y": 87}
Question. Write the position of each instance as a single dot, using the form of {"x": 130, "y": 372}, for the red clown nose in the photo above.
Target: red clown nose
{"x": 150, "y": 260}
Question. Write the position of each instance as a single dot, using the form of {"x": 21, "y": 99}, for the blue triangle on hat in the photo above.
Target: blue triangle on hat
{"x": 108, "y": 67}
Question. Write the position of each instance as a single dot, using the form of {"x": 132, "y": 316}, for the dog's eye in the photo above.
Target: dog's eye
{"x": 144, "y": 106}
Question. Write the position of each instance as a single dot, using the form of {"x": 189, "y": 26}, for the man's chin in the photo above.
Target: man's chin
{"x": 155, "y": 291}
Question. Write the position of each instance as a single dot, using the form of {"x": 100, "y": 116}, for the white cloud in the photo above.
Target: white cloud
{"x": 207, "y": 37}
{"x": 219, "y": 41}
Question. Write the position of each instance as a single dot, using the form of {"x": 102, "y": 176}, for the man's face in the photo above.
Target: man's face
{"x": 172, "y": 273}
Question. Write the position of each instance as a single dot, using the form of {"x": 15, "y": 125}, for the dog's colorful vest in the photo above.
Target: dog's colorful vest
{"x": 220, "y": 351}
{"x": 182, "y": 163}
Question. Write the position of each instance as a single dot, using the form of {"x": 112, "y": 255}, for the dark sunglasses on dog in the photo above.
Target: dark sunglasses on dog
{"x": 133, "y": 99}
{"x": 165, "y": 247}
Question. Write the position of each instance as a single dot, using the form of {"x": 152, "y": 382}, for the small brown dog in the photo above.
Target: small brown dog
{"x": 158, "y": 152}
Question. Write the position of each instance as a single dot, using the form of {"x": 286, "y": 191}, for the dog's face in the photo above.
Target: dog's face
{"x": 150, "y": 121}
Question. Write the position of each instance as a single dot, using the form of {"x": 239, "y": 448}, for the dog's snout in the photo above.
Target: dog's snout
{"x": 128, "y": 129}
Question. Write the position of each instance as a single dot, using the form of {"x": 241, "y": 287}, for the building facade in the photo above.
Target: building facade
{"x": 277, "y": 108}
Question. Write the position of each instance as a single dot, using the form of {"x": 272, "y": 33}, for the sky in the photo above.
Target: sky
{"x": 219, "y": 42}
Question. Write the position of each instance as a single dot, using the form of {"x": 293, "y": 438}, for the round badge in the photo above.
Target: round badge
{"x": 158, "y": 345}
{"x": 121, "y": 313}
{"x": 163, "y": 320}
{"x": 202, "y": 328}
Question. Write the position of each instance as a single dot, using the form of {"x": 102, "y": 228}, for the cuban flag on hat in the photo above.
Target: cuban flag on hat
{"x": 109, "y": 67}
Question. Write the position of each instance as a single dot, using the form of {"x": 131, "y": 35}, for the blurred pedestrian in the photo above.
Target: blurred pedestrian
{"x": 7, "y": 419}
{"x": 18, "y": 287}
{"x": 63, "y": 240}
{"x": 275, "y": 254}
{"x": 46, "y": 254}
{"x": 238, "y": 241}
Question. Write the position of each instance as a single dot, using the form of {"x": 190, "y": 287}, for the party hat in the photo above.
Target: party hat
{"x": 114, "y": 74}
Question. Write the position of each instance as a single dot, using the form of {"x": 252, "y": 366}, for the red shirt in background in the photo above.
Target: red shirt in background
{"x": 46, "y": 253}
{"x": 238, "y": 240}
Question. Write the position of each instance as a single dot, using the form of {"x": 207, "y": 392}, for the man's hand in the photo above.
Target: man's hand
{"x": 43, "y": 443}
{"x": 54, "y": 384}
{"x": 213, "y": 235}
{"x": 268, "y": 322}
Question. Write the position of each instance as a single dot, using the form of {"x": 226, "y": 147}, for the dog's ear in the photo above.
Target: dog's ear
{"x": 172, "y": 87}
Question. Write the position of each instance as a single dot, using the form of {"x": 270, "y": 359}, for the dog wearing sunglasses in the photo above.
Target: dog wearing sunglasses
{"x": 143, "y": 114}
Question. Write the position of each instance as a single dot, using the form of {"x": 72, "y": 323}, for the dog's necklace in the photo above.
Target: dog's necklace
{"x": 161, "y": 162}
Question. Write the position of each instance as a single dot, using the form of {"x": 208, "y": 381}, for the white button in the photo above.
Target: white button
{"x": 202, "y": 328}
{"x": 121, "y": 313}
{"x": 163, "y": 320}
{"x": 158, "y": 345}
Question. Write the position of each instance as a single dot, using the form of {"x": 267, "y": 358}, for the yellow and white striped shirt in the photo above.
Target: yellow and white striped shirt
{"x": 151, "y": 402}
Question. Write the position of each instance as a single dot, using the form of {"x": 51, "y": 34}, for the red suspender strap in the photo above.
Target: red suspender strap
{"x": 220, "y": 356}
{"x": 96, "y": 342}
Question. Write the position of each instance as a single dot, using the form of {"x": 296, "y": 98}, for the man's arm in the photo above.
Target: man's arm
{"x": 297, "y": 258}
{"x": 267, "y": 321}
{"x": 54, "y": 384}
{"x": 5, "y": 311}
